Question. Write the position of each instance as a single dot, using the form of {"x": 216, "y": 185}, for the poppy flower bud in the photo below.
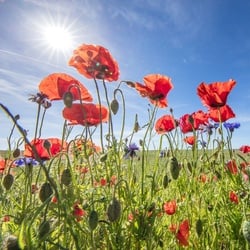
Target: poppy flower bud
{"x": 68, "y": 99}
{"x": 114, "y": 106}
{"x": 114, "y": 210}
{"x": 103, "y": 157}
{"x": 246, "y": 230}
{"x": 12, "y": 243}
{"x": 93, "y": 220}
{"x": 130, "y": 84}
{"x": 17, "y": 117}
{"x": 165, "y": 181}
{"x": 8, "y": 181}
{"x": 66, "y": 177}
{"x": 198, "y": 227}
{"x": 174, "y": 168}
{"x": 45, "y": 191}
{"x": 43, "y": 230}
{"x": 16, "y": 153}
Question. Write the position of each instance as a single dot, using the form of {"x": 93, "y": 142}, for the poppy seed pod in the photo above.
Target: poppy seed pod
{"x": 114, "y": 210}
{"x": 174, "y": 168}
{"x": 93, "y": 220}
{"x": 46, "y": 144}
{"x": 45, "y": 191}
{"x": 66, "y": 177}
{"x": 68, "y": 99}
{"x": 8, "y": 181}
{"x": 114, "y": 106}
{"x": 246, "y": 230}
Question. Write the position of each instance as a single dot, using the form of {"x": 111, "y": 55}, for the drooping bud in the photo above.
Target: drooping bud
{"x": 114, "y": 210}
{"x": 199, "y": 227}
{"x": 174, "y": 168}
{"x": 16, "y": 153}
{"x": 114, "y": 106}
{"x": 66, "y": 177}
{"x": 43, "y": 230}
{"x": 103, "y": 157}
{"x": 165, "y": 181}
{"x": 68, "y": 99}
{"x": 45, "y": 191}
{"x": 8, "y": 181}
{"x": 93, "y": 220}
{"x": 11, "y": 243}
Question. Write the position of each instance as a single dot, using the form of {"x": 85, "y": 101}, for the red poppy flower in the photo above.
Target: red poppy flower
{"x": 78, "y": 212}
{"x": 221, "y": 114}
{"x": 232, "y": 167}
{"x": 45, "y": 152}
{"x": 182, "y": 235}
{"x": 2, "y": 165}
{"x": 215, "y": 94}
{"x": 87, "y": 114}
{"x": 233, "y": 197}
{"x": 165, "y": 124}
{"x": 170, "y": 207}
{"x": 245, "y": 149}
{"x": 54, "y": 86}
{"x": 190, "y": 139}
{"x": 156, "y": 89}
{"x": 95, "y": 61}
{"x": 188, "y": 122}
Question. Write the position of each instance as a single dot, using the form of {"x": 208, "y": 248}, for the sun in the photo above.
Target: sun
{"x": 58, "y": 38}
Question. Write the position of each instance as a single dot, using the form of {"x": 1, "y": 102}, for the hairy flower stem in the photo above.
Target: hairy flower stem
{"x": 37, "y": 120}
{"x": 148, "y": 130}
{"x": 37, "y": 157}
{"x": 100, "y": 115}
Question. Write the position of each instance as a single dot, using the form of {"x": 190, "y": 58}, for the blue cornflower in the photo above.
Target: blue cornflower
{"x": 231, "y": 126}
{"x": 25, "y": 161}
{"x": 209, "y": 128}
{"x": 131, "y": 150}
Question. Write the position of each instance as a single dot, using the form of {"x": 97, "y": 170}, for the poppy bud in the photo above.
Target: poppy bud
{"x": 43, "y": 230}
{"x": 8, "y": 181}
{"x": 114, "y": 210}
{"x": 165, "y": 181}
{"x": 198, "y": 227}
{"x": 174, "y": 168}
{"x": 12, "y": 243}
{"x": 93, "y": 220}
{"x": 16, "y": 153}
{"x": 114, "y": 106}
{"x": 68, "y": 99}
{"x": 136, "y": 127}
{"x": 103, "y": 157}
{"x": 17, "y": 117}
{"x": 130, "y": 84}
{"x": 189, "y": 166}
{"x": 246, "y": 230}
{"x": 45, "y": 191}
{"x": 66, "y": 177}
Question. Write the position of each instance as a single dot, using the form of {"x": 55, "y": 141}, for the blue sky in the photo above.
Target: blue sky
{"x": 190, "y": 41}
